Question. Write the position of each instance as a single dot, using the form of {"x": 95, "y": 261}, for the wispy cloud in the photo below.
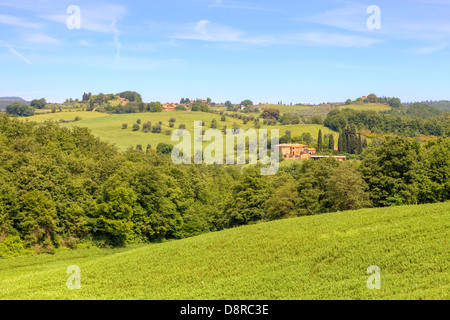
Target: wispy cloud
{"x": 239, "y": 5}
{"x": 101, "y": 18}
{"x": 352, "y": 17}
{"x": 205, "y": 30}
{"x": 41, "y": 38}
{"x": 332, "y": 39}
{"x": 430, "y": 49}
{"x": 14, "y": 52}
{"x": 18, "y": 22}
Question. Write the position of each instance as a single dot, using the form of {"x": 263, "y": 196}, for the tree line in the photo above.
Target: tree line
{"x": 408, "y": 126}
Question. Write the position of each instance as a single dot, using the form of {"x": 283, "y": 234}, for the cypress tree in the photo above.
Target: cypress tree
{"x": 341, "y": 142}
{"x": 319, "y": 142}
{"x": 345, "y": 140}
{"x": 364, "y": 143}
{"x": 331, "y": 142}
{"x": 359, "y": 148}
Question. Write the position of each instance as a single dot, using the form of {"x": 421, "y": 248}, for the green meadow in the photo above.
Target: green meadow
{"x": 312, "y": 257}
{"x": 109, "y": 127}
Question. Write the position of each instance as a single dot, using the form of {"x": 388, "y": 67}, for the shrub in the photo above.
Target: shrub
{"x": 156, "y": 128}
{"x": 164, "y": 148}
{"x": 168, "y": 132}
{"x": 147, "y": 126}
{"x": 136, "y": 127}
{"x": 124, "y": 126}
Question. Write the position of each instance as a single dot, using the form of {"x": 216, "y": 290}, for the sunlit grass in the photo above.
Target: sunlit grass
{"x": 314, "y": 257}
{"x": 109, "y": 127}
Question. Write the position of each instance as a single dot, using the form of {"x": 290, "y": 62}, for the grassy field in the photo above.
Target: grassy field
{"x": 109, "y": 127}
{"x": 285, "y": 108}
{"x": 367, "y": 107}
{"x": 312, "y": 257}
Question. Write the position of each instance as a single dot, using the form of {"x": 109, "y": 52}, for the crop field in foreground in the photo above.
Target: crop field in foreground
{"x": 313, "y": 257}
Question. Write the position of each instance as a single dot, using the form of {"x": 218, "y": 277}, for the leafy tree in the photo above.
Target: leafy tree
{"x": 391, "y": 171}
{"x": 283, "y": 200}
{"x": 248, "y": 202}
{"x": 395, "y": 103}
{"x": 271, "y": 113}
{"x": 115, "y": 212}
{"x": 38, "y": 220}
{"x": 154, "y": 107}
{"x": 20, "y": 110}
{"x": 372, "y": 98}
{"x": 345, "y": 190}
{"x": 164, "y": 148}
{"x": 180, "y": 108}
{"x": 131, "y": 96}
{"x": 38, "y": 104}
{"x": 317, "y": 120}
{"x": 247, "y": 103}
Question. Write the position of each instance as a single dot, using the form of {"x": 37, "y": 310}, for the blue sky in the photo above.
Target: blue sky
{"x": 267, "y": 51}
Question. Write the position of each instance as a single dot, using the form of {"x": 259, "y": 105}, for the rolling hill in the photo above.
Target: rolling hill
{"x": 6, "y": 101}
{"x": 312, "y": 257}
{"x": 109, "y": 127}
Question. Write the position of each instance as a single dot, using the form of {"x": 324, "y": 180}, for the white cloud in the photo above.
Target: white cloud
{"x": 14, "y": 52}
{"x": 205, "y": 30}
{"x": 335, "y": 40}
{"x": 238, "y": 5}
{"x": 41, "y": 38}
{"x": 430, "y": 49}
{"x": 353, "y": 17}
{"x": 18, "y": 22}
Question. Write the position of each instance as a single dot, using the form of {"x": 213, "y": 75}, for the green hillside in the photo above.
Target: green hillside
{"x": 367, "y": 107}
{"x": 312, "y": 257}
{"x": 109, "y": 127}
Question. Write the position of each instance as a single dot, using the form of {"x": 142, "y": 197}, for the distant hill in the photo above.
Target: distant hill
{"x": 442, "y": 105}
{"x": 6, "y": 101}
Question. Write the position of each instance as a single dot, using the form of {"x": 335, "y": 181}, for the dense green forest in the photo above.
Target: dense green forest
{"x": 66, "y": 188}
{"x": 416, "y": 120}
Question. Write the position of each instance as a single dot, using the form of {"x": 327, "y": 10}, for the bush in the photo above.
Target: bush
{"x": 164, "y": 148}
{"x": 168, "y": 132}
{"x": 147, "y": 126}
{"x": 12, "y": 246}
{"x": 124, "y": 126}
{"x": 156, "y": 128}
{"x": 136, "y": 127}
